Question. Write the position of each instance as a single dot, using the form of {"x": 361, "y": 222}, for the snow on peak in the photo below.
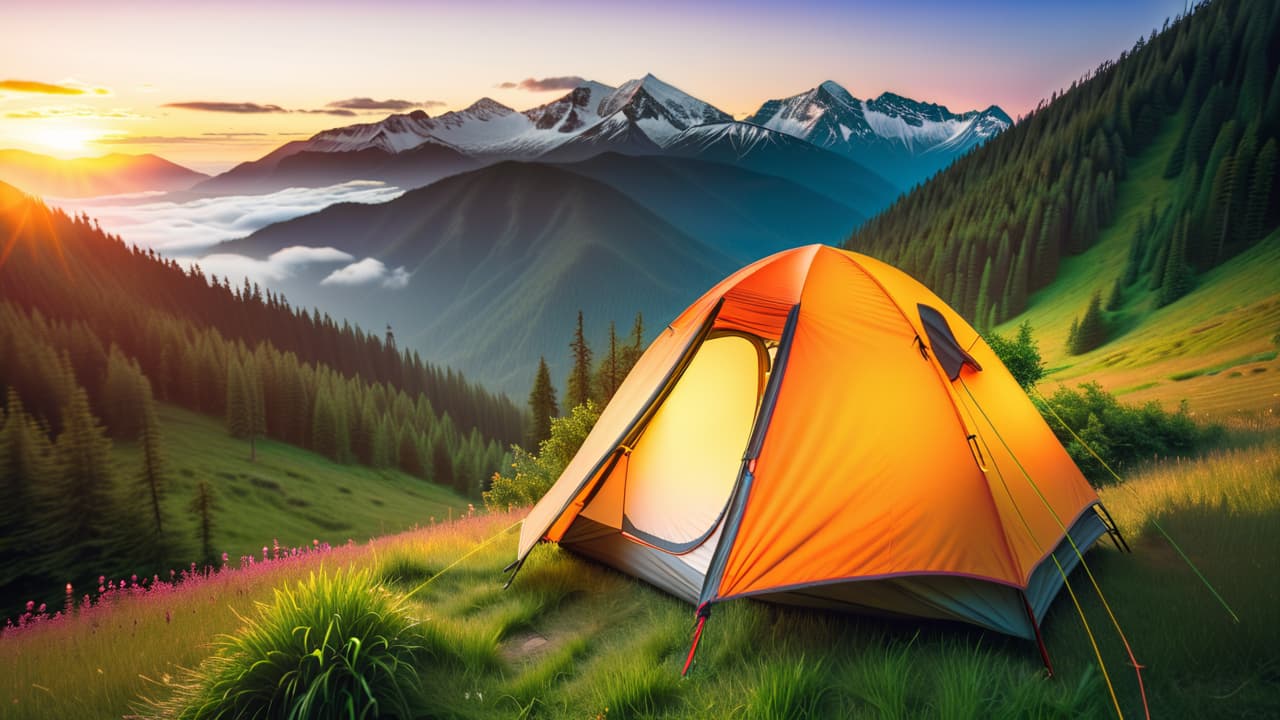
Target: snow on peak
{"x": 661, "y": 110}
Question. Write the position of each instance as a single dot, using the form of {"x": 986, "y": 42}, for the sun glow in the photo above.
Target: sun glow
{"x": 65, "y": 138}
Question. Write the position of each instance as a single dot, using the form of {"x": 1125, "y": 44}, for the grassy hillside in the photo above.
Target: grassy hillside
{"x": 572, "y": 639}
{"x": 1212, "y": 347}
{"x": 288, "y": 494}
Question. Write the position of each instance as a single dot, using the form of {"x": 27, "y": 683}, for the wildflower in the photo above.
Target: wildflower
{"x": 42, "y": 608}
{"x": 31, "y": 605}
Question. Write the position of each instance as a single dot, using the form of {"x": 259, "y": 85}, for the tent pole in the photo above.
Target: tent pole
{"x": 1044, "y": 652}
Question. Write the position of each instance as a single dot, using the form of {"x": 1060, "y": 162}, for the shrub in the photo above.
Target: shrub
{"x": 1120, "y": 434}
{"x": 338, "y": 645}
{"x": 535, "y": 474}
{"x": 1020, "y": 355}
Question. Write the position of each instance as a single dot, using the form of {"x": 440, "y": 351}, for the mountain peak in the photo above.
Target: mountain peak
{"x": 487, "y": 106}
{"x": 419, "y": 115}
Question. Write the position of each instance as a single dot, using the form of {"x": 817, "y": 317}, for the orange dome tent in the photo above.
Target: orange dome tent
{"x": 822, "y": 430}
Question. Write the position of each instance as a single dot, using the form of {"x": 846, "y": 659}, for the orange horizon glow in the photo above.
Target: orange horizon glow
{"x": 275, "y": 68}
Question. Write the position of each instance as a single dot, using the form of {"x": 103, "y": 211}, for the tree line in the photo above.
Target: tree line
{"x": 993, "y": 227}
{"x": 71, "y": 270}
{"x": 586, "y": 382}
{"x": 86, "y": 352}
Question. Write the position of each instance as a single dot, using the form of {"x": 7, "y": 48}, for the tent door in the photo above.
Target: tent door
{"x": 681, "y": 472}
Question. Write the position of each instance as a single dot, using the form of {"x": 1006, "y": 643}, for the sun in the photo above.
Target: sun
{"x": 65, "y": 138}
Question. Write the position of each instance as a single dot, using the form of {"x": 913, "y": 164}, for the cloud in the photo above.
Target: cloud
{"x": 364, "y": 103}
{"x": 336, "y": 111}
{"x": 186, "y": 227}
{"x": 367, "y": 272}
{"x": 278, "y": 266}
{"x": 202, "y": 138}
{"x": 567, "y": 82}
{"x": 42, "y": 88}
{"x": 226, "y": 107}
{"x": 81, "y": 112}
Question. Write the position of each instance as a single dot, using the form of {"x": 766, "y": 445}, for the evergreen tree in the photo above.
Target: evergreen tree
{"x": 256, "y": 406}
{"x": 152, "y": 478}
{"x": 86, "y": 516}
{"x": 441, "y": 463}
{"x": 578, "y": 389}
{"x": 980, "y": 315}
{"x": 1259, "y": 203}
{"x": 24, "y": 471}
{"x": 609, "y": 374}
{"x": 202, "y": 507}
{"x": 122, "y": 397}
{"x": 542, "y": 406}
{"x": 239, "y": 406}
{"x": 634, "y": 348}
{"x": 1092, "y": 329}
{"x": 324, "y": 426}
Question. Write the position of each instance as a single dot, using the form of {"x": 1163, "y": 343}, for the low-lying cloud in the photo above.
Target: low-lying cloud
{"x": 280, "y": 265}
{"x": 182, "y": 227}
{"x": 364, "y": 103}
{"x": 367, "y": 272}
{"x": 565, "y": 82}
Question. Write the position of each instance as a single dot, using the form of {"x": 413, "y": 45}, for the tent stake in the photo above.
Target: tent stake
{"x": 704, "y": 612}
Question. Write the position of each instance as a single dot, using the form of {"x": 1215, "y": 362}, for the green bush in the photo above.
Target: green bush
{"x": 1021, "y": 355}
{"x": 1120, "y": 434}
{"x": 535, "y": 474}
{"x": 338, "y": 646}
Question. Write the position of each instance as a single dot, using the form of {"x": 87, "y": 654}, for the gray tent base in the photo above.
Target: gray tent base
{"x": 944, "y": 597}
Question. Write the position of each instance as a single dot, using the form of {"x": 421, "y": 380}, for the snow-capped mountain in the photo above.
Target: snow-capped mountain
{"x": 897, "y": 138}
{"x": 902, "y": 139}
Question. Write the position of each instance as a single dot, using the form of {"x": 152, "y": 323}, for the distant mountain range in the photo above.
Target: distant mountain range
{"x": 499, "y": 261}
{"x": 610, "y": 200}
{"x": 891, "y": 138}
{"x": 904, "y": 140}
{"x": 86, "y": 177}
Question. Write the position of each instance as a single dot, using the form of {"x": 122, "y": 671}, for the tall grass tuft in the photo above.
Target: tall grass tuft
{"x": 788, "y": 689}
{"x": 338, "y": 645}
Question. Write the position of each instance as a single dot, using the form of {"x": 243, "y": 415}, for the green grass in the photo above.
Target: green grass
{"x": 1176, "y": 352}
{"x": 574, "y": 639}
{"x": 289, "y": 493}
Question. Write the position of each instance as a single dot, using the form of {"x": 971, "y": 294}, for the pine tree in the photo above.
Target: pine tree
{"x": 24, "y": 471}
{"x": 256, "y": 406}
{"x": 239, "y": 406}
{"x": 121, "y": 396}
{"x": 980, "y": 315}
{"x": 542, "y": 406}
{"x": 609, "y": 374}
{"x": 631, "y": 352}
{"x": 152, "y": 477}
{"x": 87, "y": 514}
{"x": 324, "y": 425}
{"x": 441, "y": 463}
{"x": 1259, "y": 196}
{"x": 1116, "y": 298}
{"x": 578, "y": 389}
{"x": 1092, "y": 329}
{"x": 202, "y": 507}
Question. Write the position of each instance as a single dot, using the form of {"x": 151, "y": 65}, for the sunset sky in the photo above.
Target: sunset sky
{"x": 209, "y": 84}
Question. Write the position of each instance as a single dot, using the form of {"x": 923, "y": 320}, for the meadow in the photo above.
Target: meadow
{"x": 574, "y": 639}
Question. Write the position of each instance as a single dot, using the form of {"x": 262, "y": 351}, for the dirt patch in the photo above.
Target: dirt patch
{"x": 526, "y": 646}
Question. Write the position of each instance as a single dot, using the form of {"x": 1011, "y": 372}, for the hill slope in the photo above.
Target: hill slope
{"x": 498, "y": 261}
{"x": 744, "y": 214}
{"x": 83, "y": 177}
{"x": 1138, "y": 184}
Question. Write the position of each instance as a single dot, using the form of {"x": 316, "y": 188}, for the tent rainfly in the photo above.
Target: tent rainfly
{"x": 821, "y": 430}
